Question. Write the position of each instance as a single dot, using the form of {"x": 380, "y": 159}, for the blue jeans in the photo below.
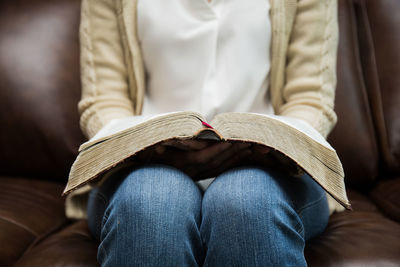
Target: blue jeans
{"x": 156, "y": 215}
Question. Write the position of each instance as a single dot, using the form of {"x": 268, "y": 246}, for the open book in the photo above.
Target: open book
{"x": 124, "y": 138}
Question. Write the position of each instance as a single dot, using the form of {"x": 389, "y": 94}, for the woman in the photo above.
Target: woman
{"x": 155, "y": 56}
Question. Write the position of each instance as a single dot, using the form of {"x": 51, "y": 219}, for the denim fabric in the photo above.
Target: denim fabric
{"x": 156, "y": 215}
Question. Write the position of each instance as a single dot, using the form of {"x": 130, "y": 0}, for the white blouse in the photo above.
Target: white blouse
{"x": 205, "y": 57}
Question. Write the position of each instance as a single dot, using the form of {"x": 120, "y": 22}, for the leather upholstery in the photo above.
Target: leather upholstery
{"x": 30, "y": 209}
{"x": 363, "y": 237}
{"x": 387, "y": 197}
{"x": 39, "y": 87}
{"x": 381, "y": 42}
{"x": 71, "y": 246}
{"x": 39, "y": 72}
{"x": 352, "y": 108}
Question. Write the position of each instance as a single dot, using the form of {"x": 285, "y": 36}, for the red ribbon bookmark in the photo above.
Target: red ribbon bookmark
{"x": 206, "y": 124}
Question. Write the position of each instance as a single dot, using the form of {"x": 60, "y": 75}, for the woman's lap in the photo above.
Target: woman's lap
{"x": 247, "y": 214}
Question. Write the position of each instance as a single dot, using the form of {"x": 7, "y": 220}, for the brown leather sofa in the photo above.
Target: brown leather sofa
{"x": 39, "y": 136}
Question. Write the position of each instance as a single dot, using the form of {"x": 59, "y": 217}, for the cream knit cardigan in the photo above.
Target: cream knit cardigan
{"x": 302, "y": 77}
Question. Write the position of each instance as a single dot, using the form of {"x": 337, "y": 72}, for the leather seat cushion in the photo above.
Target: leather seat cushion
{"x": 363, "y": 237}
{"x": 386, "y": 195}
{"x": 72, "y": 246}
{"x": 29, "y": 210}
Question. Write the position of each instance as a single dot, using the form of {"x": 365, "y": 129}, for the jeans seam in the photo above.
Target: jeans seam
{"x": 103, "y": 221}
{"x": 104, "y": 201}
{"x": 301, "y": 226}
{"x": 300, "y": 212}
{"x": 104, "y": 251}
{"x": 309, "y": 205}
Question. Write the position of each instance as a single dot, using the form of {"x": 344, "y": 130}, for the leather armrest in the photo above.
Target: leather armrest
{"x": 386, "y": 196}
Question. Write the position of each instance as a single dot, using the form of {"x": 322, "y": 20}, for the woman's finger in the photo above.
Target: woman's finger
{"x": 227, "y": 154}
{"x": 262, "y": 149}
{"x": 187, "y": 145}
{"x": 216, "y": 161}
{"x": 229, "y": 163}
{"x": 205, "y": 155}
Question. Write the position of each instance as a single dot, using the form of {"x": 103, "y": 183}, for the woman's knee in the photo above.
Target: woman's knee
{"x": 245, "y": 204}
{"x": 255, "y": 194}
{"x": 242, "y": 191}
{"x": 154, "y": 211}
{"x": 155, "y": 188}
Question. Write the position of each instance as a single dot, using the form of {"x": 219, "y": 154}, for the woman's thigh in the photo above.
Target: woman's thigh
{"x": 257, "y": 217}
{"x": 144, "y": 187}
{"x": 257, "y": 189}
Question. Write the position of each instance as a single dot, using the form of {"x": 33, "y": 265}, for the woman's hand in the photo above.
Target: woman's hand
{"x": 198, "y": 158}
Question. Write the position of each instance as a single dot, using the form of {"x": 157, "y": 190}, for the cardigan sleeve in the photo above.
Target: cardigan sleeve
{"x": 309, "y": 89}
{"x": 104, "y": 78}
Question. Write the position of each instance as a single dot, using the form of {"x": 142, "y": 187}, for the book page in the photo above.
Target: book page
{"x": 295, "y": 139}
{"x": 302, "y": 126}
{"x": 118, "y": 126}
{"x": 298, "y": 124}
